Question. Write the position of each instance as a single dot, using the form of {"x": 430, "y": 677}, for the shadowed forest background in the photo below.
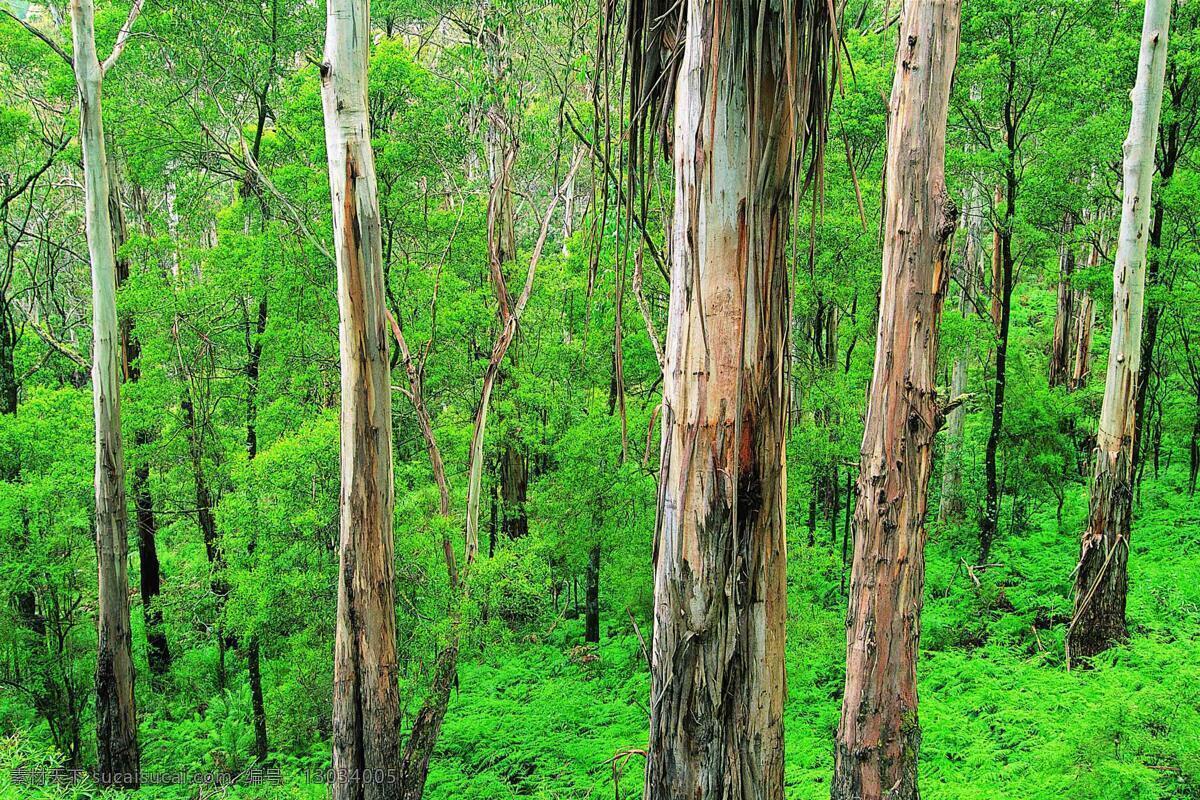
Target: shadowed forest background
{"x": 499, "y": 136}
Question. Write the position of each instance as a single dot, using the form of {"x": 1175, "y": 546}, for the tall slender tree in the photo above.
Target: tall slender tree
{"x": 1101, "y": 578}
{"x": 366, "y": 705}
{"x": 879, "y": 735}
{"x": 952, "y": 508}
{"x": 116, "y": 713}
{"x": 747, "y": 84}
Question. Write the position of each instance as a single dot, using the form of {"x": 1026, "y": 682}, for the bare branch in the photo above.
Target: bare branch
{"x": 53, "y": 45}
{"x": 59, "y": 347}
{"x": 122, "y": 37}
{"x": 541, "y": 240}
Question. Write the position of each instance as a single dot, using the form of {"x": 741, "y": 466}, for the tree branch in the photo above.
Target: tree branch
{"x": 58, "y": 346}
{"x": 53, "y": 45}
{"x": 122, "y": 37}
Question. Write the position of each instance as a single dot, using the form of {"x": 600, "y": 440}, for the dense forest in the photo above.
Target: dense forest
{"x": 483, "y": 399}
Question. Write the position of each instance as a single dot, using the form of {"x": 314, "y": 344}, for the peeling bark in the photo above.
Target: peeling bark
{"x": 743, "y": 104}
{"x": 879, "y": 735}
{"x": 366, "y": 706}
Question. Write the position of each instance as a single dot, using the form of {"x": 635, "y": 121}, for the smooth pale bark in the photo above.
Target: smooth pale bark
{"x": 366, "y": 705}
{"x": 116, "y": 714}
{"x": 879, "y": 735}
{"x": 742, "y": 107}
{"x": 1101, "y": 578}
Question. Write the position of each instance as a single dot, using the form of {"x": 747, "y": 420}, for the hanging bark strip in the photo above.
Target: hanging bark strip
{"x": 366, "y": 707}
{"x": 1101, "y": 579}
{"x": 116, "y": 715}
{"x": 746, "y": 83}
{"x": 879, "y": 735}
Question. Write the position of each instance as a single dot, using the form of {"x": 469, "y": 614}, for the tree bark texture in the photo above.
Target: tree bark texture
{"x": 743, "y": 104}
{"x": 116, "y": 714}
{"x": 879, "y": 736}
{"x": 1101, "y": 577}
{"x": 366, "y": 707}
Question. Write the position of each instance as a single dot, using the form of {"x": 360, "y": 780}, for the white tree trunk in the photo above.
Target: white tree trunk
{"x": 1101, "y": 577}
{"x": 116, "y": 714}
{"x": 366, "y": 708}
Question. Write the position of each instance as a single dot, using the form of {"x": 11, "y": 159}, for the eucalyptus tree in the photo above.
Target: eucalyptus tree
{"x": 745, "y": 83}
{"x": 366, "y": 704}
{"x": 116, "y": 715}
{"x": 1101, "y": 578}
{"x": 879, "y": 735}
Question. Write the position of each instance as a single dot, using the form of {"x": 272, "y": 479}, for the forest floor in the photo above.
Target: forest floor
{"x": 1001, "y": 716}
{"x": 543, "y": 717}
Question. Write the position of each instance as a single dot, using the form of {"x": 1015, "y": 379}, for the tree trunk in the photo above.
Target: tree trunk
{"x": 1002, "y": 272}
{"x": 366, "y": 706}
{"x": 116, "y": 714}
{"x": 258, "y": 706}
{"x": 8, "y": 368}
{"x": 879, "y": 736}
{"x": 158, "y": 654}
{"x": 514, "y": 484}
{"x": 1101, "y": 578}
{"x": 1084, "y": 323}
{"x": 1194, "y": 450}
{"x": 1062, "y": 346}
{"x": 427, "y": 727}
{"x": 952, "y": 507}
{"x": 208, "y": 524}
{"x": 743, "y": 106}
{"x": 254, "y": 348}
{"x": 591, "y": 618}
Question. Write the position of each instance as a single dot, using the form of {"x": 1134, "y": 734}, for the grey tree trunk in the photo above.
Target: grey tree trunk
{"x": 879, "y": 735}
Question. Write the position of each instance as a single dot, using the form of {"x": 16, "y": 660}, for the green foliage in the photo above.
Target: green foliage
{"x": 218, "y": 159}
